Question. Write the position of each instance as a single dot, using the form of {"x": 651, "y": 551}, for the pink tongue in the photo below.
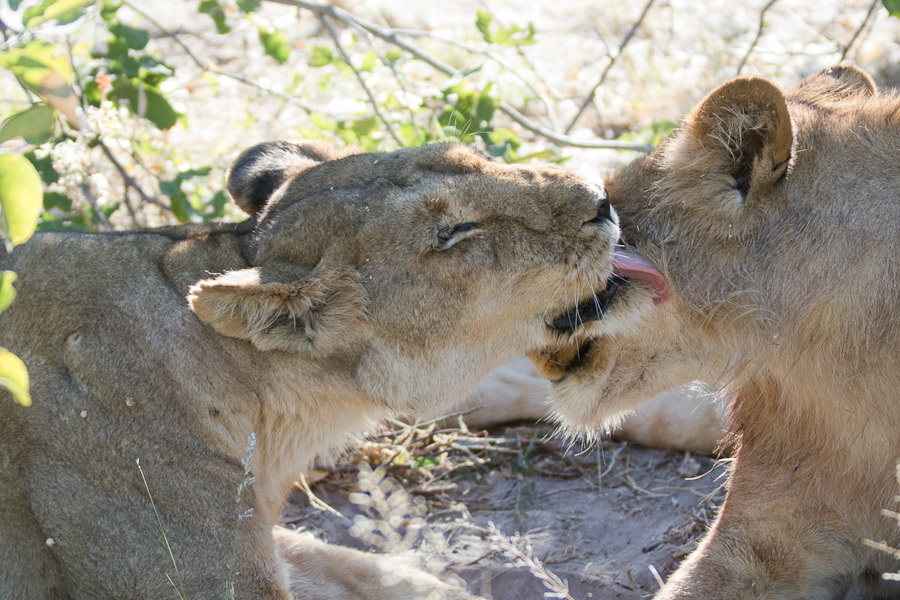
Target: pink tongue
{"x": 630, "y": 266}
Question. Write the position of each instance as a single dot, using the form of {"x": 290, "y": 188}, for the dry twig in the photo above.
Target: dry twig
{"x": 612, "y": 60}
{"x": 759, "y": 30}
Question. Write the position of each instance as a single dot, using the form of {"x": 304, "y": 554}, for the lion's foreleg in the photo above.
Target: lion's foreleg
{"x": 320, "y": 571}
{"x": 769, "y": 544}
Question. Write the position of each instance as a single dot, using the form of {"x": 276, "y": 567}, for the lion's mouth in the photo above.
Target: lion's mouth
{"x": 626, "y": 268}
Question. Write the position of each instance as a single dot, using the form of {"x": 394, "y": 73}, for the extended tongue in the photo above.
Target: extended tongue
{"x": 633, "y": 267}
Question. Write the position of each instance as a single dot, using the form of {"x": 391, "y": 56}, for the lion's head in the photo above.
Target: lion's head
{"x": 415, "y": 272}
{"x": 764, "y": 217}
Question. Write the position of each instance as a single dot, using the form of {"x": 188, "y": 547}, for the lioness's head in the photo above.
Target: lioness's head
{"x": 412, "y": 272}
{"x": 770, "y": 219}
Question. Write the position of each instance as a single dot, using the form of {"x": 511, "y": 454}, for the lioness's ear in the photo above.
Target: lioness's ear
{"x": 834, "y": 85}
{"x": 746, "y": 124}
{"x": 317, "y": 313}
{"x": 261, "y": 170}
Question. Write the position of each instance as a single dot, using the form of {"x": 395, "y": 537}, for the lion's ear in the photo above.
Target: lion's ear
{"x": 833, "y": 85}
{"x": 261, "y": 170}
{"x": 746, "y": 124}
{"x": 318, "y": 313}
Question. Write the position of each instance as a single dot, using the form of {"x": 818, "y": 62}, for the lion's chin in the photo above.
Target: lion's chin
{"x": 630, "y": 273}
{"x": 584, "y": 419}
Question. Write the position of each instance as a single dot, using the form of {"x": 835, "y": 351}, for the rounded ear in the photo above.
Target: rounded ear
{"x": 261, "y": 170}
{"x": 833, "y": 85}
{"x": 747, "y": 124}
{"x": 318, "y": 313}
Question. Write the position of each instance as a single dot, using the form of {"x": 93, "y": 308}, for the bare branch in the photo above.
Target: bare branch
{"x": 759, "y": 30}
{"x": 362, "y": 82}
{"x": 565, "y": 140}
{"x": 391, "y": 37}
{"x": 129, "y": 180}
{"x": 862, "y": 26}
{"x": 92, "y": 202}
{"x": 612, "y": 60}
{"x": 489, "y": 55}
{"x": 390, "y": 65}
{"x": 207, "y": 67}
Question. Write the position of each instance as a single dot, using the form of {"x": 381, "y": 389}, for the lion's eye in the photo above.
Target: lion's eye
{"x": 450, "y": 235}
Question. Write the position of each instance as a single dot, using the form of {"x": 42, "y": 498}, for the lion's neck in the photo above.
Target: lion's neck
{"x": 837, "y": 440}
{"x": 302, "y": 416}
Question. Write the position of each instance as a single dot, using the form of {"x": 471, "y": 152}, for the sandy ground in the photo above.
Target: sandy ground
{"x": 603, "y": 520}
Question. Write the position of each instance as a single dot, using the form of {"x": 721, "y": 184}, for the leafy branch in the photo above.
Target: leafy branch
{"x": 395, "y": 38}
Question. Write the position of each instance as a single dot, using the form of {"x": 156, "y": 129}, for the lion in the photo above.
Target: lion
{"x": 769, "y": 257}
{"x": 689, "y": 418}
{"x": 226, "y": 357}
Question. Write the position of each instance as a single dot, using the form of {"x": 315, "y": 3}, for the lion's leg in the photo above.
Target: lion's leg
{"x": 27, "y": 571}
{"x": 769, "y": 543}
{"x": 320, "y": 571}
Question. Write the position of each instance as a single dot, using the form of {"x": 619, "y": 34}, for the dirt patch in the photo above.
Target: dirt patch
{"x": 602, "y": 519}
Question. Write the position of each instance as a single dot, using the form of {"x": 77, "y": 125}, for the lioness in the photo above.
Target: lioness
{"x": 773, "y": 222}
{"x": 363, "y": 286}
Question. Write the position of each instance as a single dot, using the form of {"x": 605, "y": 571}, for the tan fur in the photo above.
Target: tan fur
{"x": 347, "y": 297}
{"x": 774, "y": 218}
{"x": 687, "y": 418}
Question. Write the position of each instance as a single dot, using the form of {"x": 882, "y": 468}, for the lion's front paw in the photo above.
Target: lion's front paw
{"x": 554, "y": 363}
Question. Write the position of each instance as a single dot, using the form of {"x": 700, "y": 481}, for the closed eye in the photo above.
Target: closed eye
{"x": 450, "y": 235}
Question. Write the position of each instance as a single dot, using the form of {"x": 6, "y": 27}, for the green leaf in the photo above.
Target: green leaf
{"x": 248, "y": 6}
{"x": 892, "y": 6}
{"x": 485, "y": 107}
{"x": 20, "y": 198}
{"x": 34, "y": 125}
{"x": 216, "y": 12}
{"x": 44, "y": 167}
{"x": 62, "y": 11}
{"x": 178, "y": 200}
{"x": 409, "y": 135}
{"x": 322, "y": 122}
{"x": 275, "y": 44}
{"x": 483, "y": 22}
{"x": 515, "y": 36}
{"x": 146, "y": 101}
{"x": 393, "y": 56}
{"x": 14, "y": 4}
{"x": 320, "y": 56}
{"x": 109, "y": 9}
{"x": 369, "y": 61}
{"x": 181, "y": 208}
{"x": 504, "y": 36}
{"x": 57, "y": 200}
{"x": 7, "y": 291}
{"x": 425, "y": 461}
{"x": 34, "y": 61}
{"x": 14, "y": 376}
{"x": 41, "y": 67}
{"x": 134, "y": 38}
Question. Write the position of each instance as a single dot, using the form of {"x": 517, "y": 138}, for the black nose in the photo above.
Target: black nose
{"x": 604, "y": 212}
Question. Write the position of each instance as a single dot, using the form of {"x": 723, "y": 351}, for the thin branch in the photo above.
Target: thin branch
{"x": 565, "y": 140}
{"x": 759, "y": 30}
{"x": 391, "y": 37}
{"x": 130, "y": 182}
{"x": 362, "y": 82}
{"x": 207, "y": 67}
{"x": 612, "y": 60}
{"x": 92, "y": 201}
{"x": 862, "y": 26}
{"x": 489, "y": 55}
{"x": 390, "y": 65}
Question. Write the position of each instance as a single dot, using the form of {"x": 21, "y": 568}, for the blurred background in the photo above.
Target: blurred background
{"x": 132, "y": 110}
